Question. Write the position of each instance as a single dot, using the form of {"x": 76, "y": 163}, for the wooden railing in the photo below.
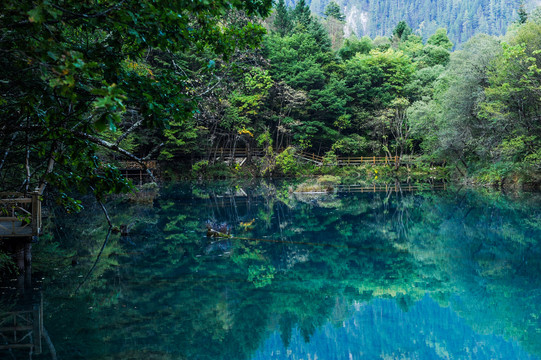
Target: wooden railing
{"x": 310, "y": 157}
{"x": 391, "y": 187}
{"x": 22, "y": 329}
{"x": 358, "y": 160}
{"x": 134, "y": 165}
{"x": 225, "y": 153}
{"x": 20, "y": 216}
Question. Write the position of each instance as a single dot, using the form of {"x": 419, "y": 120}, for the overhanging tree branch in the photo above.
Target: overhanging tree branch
{"x": 118, "y": 149}
{"x": 130, "y": 130}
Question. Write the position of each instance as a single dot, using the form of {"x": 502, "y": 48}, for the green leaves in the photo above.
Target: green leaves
{"x": 376, "y": 79}
{"x": 108, "y": 106}
{"x": 66, "y": 78}
{"x": 35, "y": 15}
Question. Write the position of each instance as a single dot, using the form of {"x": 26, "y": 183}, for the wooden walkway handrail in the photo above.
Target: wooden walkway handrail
{"x": 226, "y": 153}
{"x": 126, "y": 165}
{"x": 22, "y": 329}
{"x": 21, "y": 200}
{"x": 391, "y": 187}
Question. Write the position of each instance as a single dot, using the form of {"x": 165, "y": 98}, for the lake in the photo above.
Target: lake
{"x": 427, "y": 274}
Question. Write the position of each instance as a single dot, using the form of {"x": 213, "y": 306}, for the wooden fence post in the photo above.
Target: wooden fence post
{"x": 36, "y": 213}
{"x": 36, "y": 328}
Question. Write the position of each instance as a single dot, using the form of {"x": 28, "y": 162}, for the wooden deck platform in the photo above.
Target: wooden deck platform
{"x": 136, "y": 172}
{"x": 20, "y": 216}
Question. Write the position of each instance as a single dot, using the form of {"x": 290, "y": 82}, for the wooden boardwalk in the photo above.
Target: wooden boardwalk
{"x": 375, "y": 188}
{"x": 242, "y": 153}
{"x": 20, "y": 216}
{"x": 20, "y": 222}
{"x": 134, "y": 171}
{"x": 355, "y": 160}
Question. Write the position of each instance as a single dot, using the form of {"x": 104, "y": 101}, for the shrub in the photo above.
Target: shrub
{"x": 287, "y": 163}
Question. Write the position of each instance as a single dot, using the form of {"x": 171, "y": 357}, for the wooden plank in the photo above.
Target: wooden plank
{"x": 16, "y": 346}
{"x": 12, "y": 313}
{"x": 36, "y": 329}
{"x": 9, "y": 219}
{"x": 14, "y": 228}
{"x": 16, "y": 328}
{"x": 16, "y": 200}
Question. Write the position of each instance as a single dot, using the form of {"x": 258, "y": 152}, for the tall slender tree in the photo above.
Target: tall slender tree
{"x": 302, "y": 14}
{"x": 282, "y": 20}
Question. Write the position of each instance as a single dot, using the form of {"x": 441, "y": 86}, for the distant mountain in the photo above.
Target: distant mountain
{"x": 461, "y": 18}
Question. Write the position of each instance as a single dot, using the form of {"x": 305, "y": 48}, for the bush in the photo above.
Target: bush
{"x": 287, "y": 163}
{"x": 200, "y": 168}
{"x": 328, "y": 180}
{"x": 330, "y": 158}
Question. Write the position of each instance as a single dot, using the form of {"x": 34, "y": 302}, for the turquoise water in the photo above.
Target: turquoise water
{"x": 449, "y": 274}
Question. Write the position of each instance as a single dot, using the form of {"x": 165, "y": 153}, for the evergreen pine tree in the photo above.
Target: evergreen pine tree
{"x": 522, "y": 14}
{"x": 333, "y": 10}
{"x": 282, "y": 21}
{"x": 302, "y": 14}
{"x": 402, "y": 31}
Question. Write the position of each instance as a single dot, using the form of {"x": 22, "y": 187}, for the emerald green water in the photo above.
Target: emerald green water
{"x": 449, "y": 274}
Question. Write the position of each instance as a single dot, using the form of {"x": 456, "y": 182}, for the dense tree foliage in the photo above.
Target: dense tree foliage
{"x": 169, "y": 83}
{"x": 79, "y": 77}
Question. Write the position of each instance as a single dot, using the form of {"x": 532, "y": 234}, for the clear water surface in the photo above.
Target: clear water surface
{"x": 452, "y": 274}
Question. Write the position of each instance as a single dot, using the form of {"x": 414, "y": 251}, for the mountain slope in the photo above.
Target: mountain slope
{"x": 462, "y": 18}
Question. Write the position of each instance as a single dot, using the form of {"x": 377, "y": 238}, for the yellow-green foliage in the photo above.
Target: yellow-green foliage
{"x": 286, "y": 162}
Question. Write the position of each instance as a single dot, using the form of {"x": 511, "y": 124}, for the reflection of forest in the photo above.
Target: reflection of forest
{"x": 294, "y": 264}
{"x": 380, "y": 329}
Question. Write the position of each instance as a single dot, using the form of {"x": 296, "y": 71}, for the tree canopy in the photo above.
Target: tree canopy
{"x": 76, "y": 71}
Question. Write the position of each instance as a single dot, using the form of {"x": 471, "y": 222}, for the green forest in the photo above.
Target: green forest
{"x": 86, "y": 84}
{"x": 462, "y": 19}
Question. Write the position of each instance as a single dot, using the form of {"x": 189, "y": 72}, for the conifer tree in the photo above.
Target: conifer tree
{"x": 333, "y": 10}
{"x": 522, "y": 14}
{"x": 282, "y": 21}
{"x": 302, "y": 14}
{"x": 402, "y": 31}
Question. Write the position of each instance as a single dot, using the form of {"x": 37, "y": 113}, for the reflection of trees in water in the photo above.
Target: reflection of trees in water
{"x": 180, "y": 292}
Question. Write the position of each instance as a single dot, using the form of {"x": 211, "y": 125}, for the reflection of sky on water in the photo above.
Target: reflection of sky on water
{"x": 381, "y": 330}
